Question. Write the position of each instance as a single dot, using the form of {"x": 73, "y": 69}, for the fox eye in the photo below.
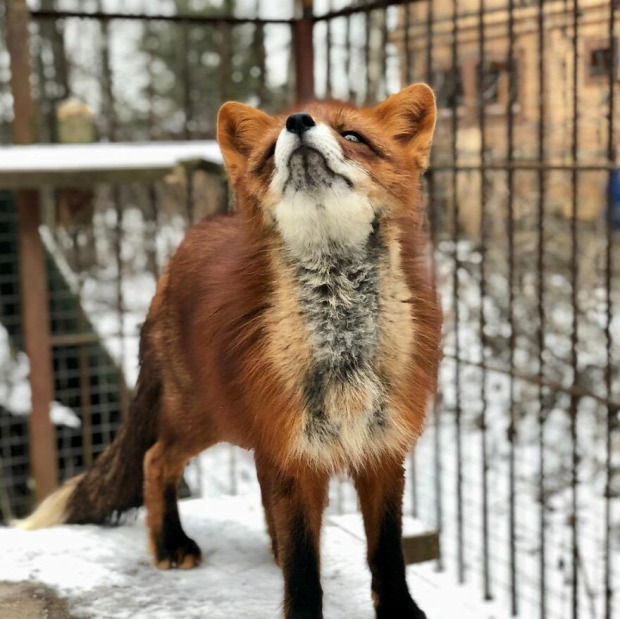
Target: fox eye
{"x": 353, "y": 136}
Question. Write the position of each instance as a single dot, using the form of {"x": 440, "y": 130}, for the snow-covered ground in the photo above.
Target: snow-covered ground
{"x": 106, "y": 573}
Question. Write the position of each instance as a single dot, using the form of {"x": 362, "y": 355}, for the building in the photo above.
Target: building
{"x": 468, "y": 85}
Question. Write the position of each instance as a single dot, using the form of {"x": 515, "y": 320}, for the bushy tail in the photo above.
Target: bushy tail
{"x": 113, "y": 485}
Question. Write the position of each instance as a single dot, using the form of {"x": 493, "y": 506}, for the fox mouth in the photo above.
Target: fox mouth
{"x": 309, "y": 171}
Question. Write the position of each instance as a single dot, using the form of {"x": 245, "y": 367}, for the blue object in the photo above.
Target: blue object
{"x": 613, "y": 208}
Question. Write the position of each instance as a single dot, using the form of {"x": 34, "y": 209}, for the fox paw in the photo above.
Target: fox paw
{"x": 180, "y": 553}
{"x": 404, "y": 608}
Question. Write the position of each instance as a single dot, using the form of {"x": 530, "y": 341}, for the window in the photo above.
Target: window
{"x": 448, "y": 87}
{"x": 495, "y": 83}
{"x": 599, "y": 62}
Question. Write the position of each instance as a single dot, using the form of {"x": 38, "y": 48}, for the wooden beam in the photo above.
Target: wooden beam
{"x": 32, "y": 270}
{"x": 422, "y": 547}
{"x": 304, "y": 53}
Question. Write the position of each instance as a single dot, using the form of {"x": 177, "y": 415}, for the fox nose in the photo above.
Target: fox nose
{"x": 299, "y": 123}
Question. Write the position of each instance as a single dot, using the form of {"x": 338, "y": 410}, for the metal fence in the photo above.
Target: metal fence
{"x": 519, "y": 468}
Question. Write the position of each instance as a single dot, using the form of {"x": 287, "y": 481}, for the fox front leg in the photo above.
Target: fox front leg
{"x": 298, "y": 502}
{"x": 381, "y": 496}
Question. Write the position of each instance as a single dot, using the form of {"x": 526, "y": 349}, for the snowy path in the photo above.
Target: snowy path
{"x": 106, "y": 573}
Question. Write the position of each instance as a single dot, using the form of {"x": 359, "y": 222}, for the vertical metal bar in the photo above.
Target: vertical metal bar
{"x": 261, "y": 64}
{"x": 434, "y": 231}
{"x": 512, "y": 431}
{"x": 367, "y": 56}
{"x": 486, "y": 576}
{"x": 304, "y": 52}
{"x": 574, "y": 278}
{"x": 406, "y": 41}
{"x": 540, "y": 267}
{"x": 384, "y": 53}
{"x": 153, "y": 227}
{"x": 455, "y": 295}
{"x": 85, "y": 411}
{"x": 225, "y": 60}
{"x": 120, "y": 303}
{"x": 347, "y": 61}
{"x": 107, "y": 85}
{"x": 186, "y": 81}
{"x": 32, "y": 271}
{"x": 189, "y": 195}
{"x": 328, "y": 54}
{"x": 48, "y": 109}
{"x": 106, "y": 82}
{"x": 151, "y": 189}
{"x": 611, "y": 413}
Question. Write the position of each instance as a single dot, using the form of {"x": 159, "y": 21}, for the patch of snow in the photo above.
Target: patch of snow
{"x": 106, "y": 572}
{"x": 15, "y": 393}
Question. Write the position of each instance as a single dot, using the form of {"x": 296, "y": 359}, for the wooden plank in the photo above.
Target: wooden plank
{"x": 89, "y": 178}
{"x": 32, "y": 272}
{"x": 65, "y": 165}
{"x": 419, "y": 543}
{"x": 422, "y": 547}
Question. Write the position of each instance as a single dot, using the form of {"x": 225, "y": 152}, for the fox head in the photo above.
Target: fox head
{"x": 327, "y": 173}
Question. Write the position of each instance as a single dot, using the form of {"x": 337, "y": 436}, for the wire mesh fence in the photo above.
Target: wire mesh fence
{"x": 518, "y": 468}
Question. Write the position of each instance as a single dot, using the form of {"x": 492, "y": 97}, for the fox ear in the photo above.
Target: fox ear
{"x": 410, "y": 116}
{"x": 238, "y": 127}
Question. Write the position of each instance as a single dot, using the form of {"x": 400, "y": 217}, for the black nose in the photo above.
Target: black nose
{"x": 299, "y": 123}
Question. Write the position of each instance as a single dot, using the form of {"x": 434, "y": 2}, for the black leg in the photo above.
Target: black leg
{"x": 173, "y": 548}
{"x": 381, "y": 501}
{"x": 297, "y": 509}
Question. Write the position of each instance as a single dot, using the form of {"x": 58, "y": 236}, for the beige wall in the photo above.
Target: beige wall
{"x": 558, "y": 73}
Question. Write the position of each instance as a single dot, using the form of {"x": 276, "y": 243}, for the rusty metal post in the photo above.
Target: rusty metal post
{"x": 304, "y": 53}
{"x": 32, "y": 271}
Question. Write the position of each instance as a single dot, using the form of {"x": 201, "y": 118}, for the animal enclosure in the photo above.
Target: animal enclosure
{"x": 519, "y": 468}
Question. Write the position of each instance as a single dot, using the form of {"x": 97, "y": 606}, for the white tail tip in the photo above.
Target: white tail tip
{"x": 52, "y": 511}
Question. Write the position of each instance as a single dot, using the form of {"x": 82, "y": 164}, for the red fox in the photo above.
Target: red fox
{"x": 304, "y": 327}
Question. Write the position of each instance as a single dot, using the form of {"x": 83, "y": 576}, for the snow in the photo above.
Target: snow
{"x": 15, "y": 394}
{"x": 107, "y": 572}
{"x": 104, "y": 156}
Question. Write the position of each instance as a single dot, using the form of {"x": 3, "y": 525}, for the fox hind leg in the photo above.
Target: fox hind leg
{"x": 169, "y": 544}
{"x": 266, "y": 478}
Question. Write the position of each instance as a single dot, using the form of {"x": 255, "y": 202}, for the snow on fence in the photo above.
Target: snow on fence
{"x": 519, "y": 467}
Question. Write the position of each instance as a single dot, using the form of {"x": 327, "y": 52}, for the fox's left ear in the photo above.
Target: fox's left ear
{"x": 409, "y": 117}
{"x": 239, "y": 126}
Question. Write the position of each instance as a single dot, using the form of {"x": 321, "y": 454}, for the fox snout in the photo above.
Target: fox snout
{"x": 308, "y": 158}
{"x": 307, "y": 166}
